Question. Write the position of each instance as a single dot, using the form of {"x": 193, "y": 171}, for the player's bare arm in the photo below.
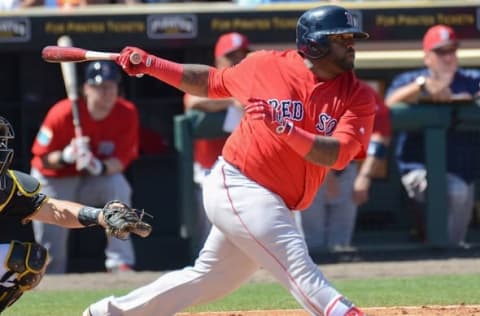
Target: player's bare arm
{"x": 62, "y": 213}
{"x": 408, "y": 93}
{"x": 324, "y": 151}
{"x": 195, "y": 79}
{"x": 207, "y": 104}
{"x": 118, "y": 219}
{"x": 372, "y": 167}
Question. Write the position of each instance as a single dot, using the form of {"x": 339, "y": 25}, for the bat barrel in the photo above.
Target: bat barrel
{"x": 59, "y": 54}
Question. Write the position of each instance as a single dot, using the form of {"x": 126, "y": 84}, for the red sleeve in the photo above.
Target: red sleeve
{"x": 127, "y": 144}
{"x": 234, "y": 81}
{"x": 49, "y": 138}
{"x": 355, "y": 128}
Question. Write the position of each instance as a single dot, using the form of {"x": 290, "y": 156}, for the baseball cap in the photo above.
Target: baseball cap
{"x": 230, "y": 42}
{"x": 438, "y": 36}
{"x": 98, "y": 72}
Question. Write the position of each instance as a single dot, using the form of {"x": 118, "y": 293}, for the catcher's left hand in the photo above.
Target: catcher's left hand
{"x": 122, "y": 220}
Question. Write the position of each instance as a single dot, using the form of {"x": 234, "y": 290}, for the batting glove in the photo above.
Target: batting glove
{"x": 86, "y": 161}
{"x": 72, "y": 150}
{"x": 259, "y": 109}
{"x": 144, "y": 61}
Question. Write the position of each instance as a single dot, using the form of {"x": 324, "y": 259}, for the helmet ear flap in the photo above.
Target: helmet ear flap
{"x": 318, "y": 48}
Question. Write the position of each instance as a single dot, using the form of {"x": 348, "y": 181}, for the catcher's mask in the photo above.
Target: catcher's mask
{"x": 6, "y": 137}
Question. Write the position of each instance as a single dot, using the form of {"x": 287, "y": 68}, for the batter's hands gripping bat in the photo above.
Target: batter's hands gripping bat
{"x": 60, "y": 53}
{"x": 69, "y": 74}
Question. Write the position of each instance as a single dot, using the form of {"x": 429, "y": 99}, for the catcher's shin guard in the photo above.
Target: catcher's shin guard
{"x": 8, "y": 296}
{"x": 26, "y": 263}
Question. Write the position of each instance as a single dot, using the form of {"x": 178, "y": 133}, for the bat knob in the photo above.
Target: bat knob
{"x": 135, "y": 58}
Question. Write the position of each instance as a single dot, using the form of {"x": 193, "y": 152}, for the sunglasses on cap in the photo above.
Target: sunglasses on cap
{"x": 445, "y": 51}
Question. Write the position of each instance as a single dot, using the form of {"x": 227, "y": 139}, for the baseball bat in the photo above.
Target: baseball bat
{"x": 60, "y": 53}
{"x": 69, "y": 74}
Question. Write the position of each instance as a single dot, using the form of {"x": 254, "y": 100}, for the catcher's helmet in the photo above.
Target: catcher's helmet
{"x": 314, "y": 26}
{"x": 7, "y": 135}
{"x": 98, "y": 72}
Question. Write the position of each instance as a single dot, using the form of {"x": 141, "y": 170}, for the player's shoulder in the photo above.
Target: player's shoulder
{"x": 379, "y": 102}
{"x": 361, "y": 94}
{"x": 288, "y": 55}
{"x": 62, "y": 106}
{"x": 127, "y": 105}
{"x": 410, "y": 75}
{"x": 364, "y": 87}
{"x": 59, "y": 113}
{"x": 26, "y": 183}
{"x": 125, "y": 110}
{"x": 469, "y": 73}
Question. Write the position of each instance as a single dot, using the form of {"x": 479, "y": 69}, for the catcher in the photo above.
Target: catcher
{"x": 24, "y": 263}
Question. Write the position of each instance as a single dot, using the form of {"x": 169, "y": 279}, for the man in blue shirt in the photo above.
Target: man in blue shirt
{"x": 440, "y": 81}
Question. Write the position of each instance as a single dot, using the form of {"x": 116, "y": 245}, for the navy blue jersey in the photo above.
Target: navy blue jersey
{"x": 463, "y": 147}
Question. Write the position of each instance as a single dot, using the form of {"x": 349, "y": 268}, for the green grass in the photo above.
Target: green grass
{"x": 438, "y": 290}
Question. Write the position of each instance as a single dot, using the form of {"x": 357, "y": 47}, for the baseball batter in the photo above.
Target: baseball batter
{"x": 305, "y": 113}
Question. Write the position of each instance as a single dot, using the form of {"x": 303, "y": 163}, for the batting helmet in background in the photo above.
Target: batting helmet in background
{"x": 315, "y": 25}
{"x": 98, "y": 72}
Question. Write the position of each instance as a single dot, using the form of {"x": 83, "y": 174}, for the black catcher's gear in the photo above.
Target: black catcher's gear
{"x": 25, "y": 264}
{"x": 7, "y": 136}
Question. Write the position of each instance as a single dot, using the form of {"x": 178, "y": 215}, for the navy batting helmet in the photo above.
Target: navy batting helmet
{"x": 314, "y": 26}
{"x": 98, "y": 72}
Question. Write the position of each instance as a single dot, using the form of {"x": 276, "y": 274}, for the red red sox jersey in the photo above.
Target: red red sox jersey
{"x": 115, "y": 136}
{"x": 342, "y": 107}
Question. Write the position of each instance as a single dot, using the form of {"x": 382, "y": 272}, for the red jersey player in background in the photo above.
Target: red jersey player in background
{"x": 230, "y": 49}
{"x": 87, "y": 170}
{"x": 306, "y": 113}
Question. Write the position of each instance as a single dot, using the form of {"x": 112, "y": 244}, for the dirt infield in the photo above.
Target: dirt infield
{"x": 353, "y": 270}
{"x": 373, "y": 311}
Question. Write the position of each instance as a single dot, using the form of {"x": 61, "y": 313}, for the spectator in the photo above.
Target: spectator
{"x": 230, "y": 49}
{"x": 87, "y": 170}
{"x": 8, "y": 5}
{"x": 441, "y": 81}
{"x": 329, "y": 223}
{"x": 67, "y": 4}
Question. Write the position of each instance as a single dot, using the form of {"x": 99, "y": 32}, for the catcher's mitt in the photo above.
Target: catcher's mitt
{"x": 122, "y": 220}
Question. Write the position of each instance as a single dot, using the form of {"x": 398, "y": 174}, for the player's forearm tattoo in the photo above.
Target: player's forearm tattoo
{"x": 195, "y": 79}
{"x": 324, "y": 151}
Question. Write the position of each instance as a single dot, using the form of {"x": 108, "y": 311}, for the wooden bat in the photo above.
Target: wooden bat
{"x": 60, "y": 53}
{"x": 69, "y": 74}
